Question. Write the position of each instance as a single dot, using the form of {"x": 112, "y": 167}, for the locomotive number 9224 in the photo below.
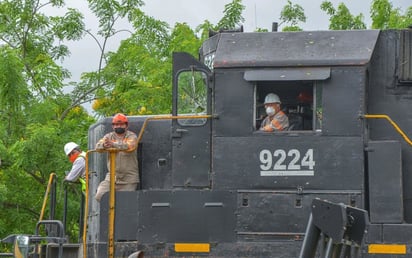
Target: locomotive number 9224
{"x": 281, "y": 162}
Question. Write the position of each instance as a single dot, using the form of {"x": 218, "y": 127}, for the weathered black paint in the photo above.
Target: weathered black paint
{"x": 229, "y": 204}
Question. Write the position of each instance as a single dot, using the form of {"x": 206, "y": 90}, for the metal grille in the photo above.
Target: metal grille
{"x": 405, "y": 54}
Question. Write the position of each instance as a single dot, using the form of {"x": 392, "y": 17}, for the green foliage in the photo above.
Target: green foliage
{"x": 183, "y": 38}
{"x": 385, "y": 16}
{"x": 232, "y": 16}
{"x": 14, "y": 94}
{"x": 292, "y": 28}
{"x": 133, "y": 76}
{"x": 137, "y": 78}
{"x": 152, "y": 34}
{"x": 37, "y": 41}
{"x": 32, "y": 102}
{"x": 261, "y": 30}
{"x": 13, "y": 90}
{"x": 109, "y": 11}
{"x": 341, "y": 18}
{"x": 70, "y": 26}
{"x": 232, "y": 20}
{"x": 37, "y": 115}
{"x": 39, "y": 144}
{"x": 292, "y": 14}
{"x": 29, "y": 161}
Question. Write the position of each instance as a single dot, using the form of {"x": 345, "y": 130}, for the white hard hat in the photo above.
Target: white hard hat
{"x": 69, "y": 147}
{"x": 272, "y": 98}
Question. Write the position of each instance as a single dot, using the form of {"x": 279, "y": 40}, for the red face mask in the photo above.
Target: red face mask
{"x": 73, "y": 157}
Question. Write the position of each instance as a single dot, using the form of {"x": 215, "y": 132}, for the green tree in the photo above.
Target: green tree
{"x": 292, "y": 14}
{"x": 108, "y": 13}
{"x": 13, "y": 93}
{"x": 385, "y": 16}
{"x": 137, "y": 78}
{"x": 39, "y": 117}
{"x": 341, "y": 18}
{"x": 232, "y": 20}
{"x": 32, "y": 99}
{"x": 26, "y": 29}
{"x": 232, "y": 17}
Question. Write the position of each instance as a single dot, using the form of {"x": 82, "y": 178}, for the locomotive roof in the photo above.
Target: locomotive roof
{"x": 307, "y": 48}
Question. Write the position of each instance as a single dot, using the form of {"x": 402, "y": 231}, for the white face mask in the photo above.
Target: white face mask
{"x": 270, "y": 111}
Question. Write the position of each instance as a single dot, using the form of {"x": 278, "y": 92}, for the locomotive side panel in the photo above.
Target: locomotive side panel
{"x": 390, "y": 94}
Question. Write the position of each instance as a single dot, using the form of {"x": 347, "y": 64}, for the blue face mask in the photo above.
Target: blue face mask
{"x": 270, "y": 111}
{"x": 119, "y": 130}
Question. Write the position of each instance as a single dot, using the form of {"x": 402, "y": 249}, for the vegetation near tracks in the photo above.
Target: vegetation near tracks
{"x": 41, "y": 108}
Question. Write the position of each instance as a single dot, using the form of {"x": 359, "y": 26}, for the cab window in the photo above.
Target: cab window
{"x": 300, "y": 101}
{"x": 192, "y": 97}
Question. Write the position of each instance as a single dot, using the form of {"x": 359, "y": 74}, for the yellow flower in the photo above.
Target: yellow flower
{"x": 142, "y": 110}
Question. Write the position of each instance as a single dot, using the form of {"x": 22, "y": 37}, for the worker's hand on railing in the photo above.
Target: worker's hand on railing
{"x": 107, "y": 143}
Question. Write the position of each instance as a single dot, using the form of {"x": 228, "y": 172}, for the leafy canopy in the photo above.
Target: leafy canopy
{"x": 38, "y": 114}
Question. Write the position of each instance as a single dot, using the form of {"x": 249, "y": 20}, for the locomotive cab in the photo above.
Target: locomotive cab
{"x": 214, "y": 184}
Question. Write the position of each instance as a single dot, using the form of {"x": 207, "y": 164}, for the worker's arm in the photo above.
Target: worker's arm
{"x": 76, "y": 171}
{"x": 100, "y": 143}
{"x": 129, "y": 144}
{"x": 105, "y": 143}
{"x": 132, "y": 143}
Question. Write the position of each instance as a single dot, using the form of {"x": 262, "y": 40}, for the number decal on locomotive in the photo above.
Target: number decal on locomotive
{"x": 286, "y": 163}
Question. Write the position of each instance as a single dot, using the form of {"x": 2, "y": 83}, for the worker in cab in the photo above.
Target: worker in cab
{"x": 78, "y": 158}
{"x": 276, "y": 119}
{"x": 126, "y": 167}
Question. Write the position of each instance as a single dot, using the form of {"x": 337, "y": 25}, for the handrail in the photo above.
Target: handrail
{"x": 60, "y": 238}
{"x": 112, "y": 184}
{"x": 86, "y": 203}
{"x": 167, "y": 118}
{"x": 112, "y": 198}
{"x": 51, "y": 180}
{"x": 397, "y": 128}
{"x": 112, "y": 201}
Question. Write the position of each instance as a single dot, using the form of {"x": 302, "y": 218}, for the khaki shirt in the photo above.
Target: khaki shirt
{"x": 127, "y": 170}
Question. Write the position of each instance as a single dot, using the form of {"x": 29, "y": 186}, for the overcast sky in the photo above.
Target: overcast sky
{"x": 258, "y": 14}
